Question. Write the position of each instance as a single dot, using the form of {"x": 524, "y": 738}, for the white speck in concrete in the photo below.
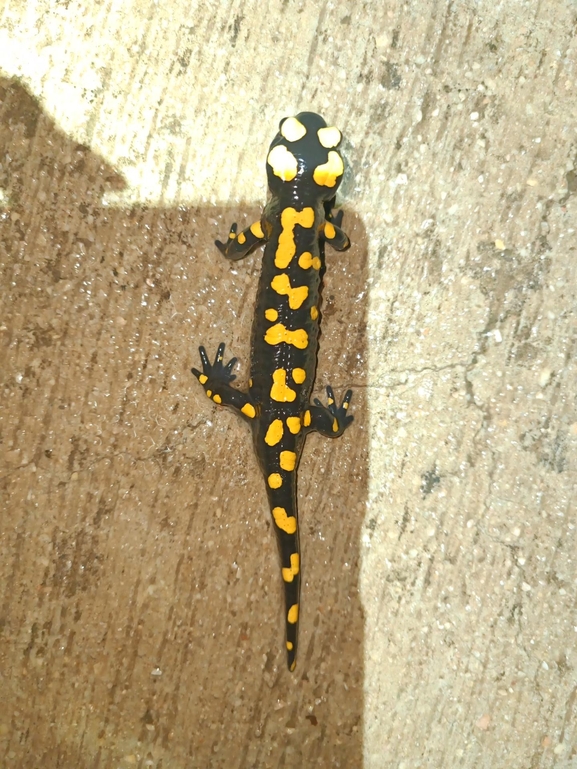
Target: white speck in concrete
{"x": 544, "y": 376}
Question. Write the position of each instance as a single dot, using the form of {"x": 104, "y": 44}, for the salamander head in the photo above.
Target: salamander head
{"x": 303, "y": 161}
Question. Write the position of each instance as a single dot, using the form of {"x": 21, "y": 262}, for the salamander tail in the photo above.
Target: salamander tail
{"x": 292, "y": 590}
{"x": 283, "y": 509}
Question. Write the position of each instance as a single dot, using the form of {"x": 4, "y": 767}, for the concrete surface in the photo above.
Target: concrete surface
{"x": 140, "y": 595}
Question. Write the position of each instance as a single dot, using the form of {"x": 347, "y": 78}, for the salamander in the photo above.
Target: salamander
{"x": 304, "y": 169}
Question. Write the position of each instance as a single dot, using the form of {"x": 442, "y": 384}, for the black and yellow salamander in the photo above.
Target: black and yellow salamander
{"x": 304, "y": 169}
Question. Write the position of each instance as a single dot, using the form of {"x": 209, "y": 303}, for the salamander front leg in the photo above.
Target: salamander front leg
{"x": 331, "y": 420}
{"x": 239, "y": 246}
{"x": 215, "y": 379}
{"x": 333, "y": 234}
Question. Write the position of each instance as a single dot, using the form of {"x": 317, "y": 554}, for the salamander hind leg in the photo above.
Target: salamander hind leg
{"x": 330, "y": 420}
{"x": 215, "y": 379}
{"x": 239, "y": 246}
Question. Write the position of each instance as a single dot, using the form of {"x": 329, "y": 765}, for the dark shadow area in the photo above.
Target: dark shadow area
{"x": 140, "y": 612}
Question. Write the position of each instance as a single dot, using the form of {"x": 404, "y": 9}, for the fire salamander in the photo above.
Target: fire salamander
{"x": 304, "y": 169}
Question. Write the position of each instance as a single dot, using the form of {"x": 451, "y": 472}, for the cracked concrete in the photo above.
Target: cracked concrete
{"x": 139, "y": 610}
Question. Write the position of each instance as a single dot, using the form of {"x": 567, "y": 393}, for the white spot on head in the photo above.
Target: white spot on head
{"x": 329, "y": 136}
{"x": 292, "y": 129}
{"x": 283, "y": 163}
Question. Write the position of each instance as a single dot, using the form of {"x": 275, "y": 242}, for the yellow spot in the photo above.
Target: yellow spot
{"x": 314, "y": 313}
{"x": 271, "y": 314}
{"x": 203, "y": 379}
{"x": 345, "y": 405}
{"x": 231, "y": 235}
{"x": 283, "y": 163}
{"x": 327, "y": 173}
{"x": 217, "y": 399}
{"x": 275, "y": 482}
{"x": 289, "y": 218}
{"x": 293, "y": 424}
{"x": 296, "y": 296}
{"x": 289, "y": 574}
{"x": 330, "y": 231}
{"x": 329, "y": 136}
{"x": 299, "y": 375}
{"x": 274, "y": 433}
{"x": 250, "y": 382}
{"x": 278, "y": 333}
{"x": 307, "y": 418}
{"x": 293, "y": 614}
{"x": 249, "y": 410}
{"x": 330, "y": 401}
{"x": 286, "y": 523}
{"x": 288, "y": 460}
{"x": 293, "y": 666}
{"x": 242, "y": 238}
{"x": 335, "y": 426}
{"x": 209, "y": 393}
{"x": 256, "y": 230}
{"x": 289, "y": 646}
{"x": 293, "y": 130}
{"x": 280, "y": 391}
{"x": 306, "y": 260}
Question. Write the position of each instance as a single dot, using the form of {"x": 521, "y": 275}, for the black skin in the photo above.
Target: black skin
{"x": 258, "y": 407}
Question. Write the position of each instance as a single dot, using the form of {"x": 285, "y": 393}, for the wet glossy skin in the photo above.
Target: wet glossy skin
{"x": 304, "y": 170}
